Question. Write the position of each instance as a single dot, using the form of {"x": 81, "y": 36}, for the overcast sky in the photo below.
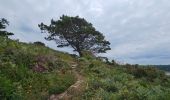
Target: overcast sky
{"x": 139, "y": 30}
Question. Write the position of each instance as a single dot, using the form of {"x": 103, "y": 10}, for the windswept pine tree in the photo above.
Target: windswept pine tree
{"x": 77, "y": 33}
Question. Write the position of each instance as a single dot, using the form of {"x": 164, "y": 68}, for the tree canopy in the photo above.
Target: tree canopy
{"x": 3, "y": 25}
{"x": 77, "y": 33}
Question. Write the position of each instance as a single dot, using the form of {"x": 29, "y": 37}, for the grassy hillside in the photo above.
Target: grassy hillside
{"x": 30, "y": 71}
{"x": 35, "y": 72}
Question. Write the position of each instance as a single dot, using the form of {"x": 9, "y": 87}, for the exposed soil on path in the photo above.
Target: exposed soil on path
{"x": 73, "y": 90}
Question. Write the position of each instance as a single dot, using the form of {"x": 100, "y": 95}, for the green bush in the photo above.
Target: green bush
{"x": 38, "y": 43}
{"x": 6, "y": 88}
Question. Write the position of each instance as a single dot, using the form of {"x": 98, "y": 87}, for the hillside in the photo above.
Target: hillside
{"x": 35, "y": 72}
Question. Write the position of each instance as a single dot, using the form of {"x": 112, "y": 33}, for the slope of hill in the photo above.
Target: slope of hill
{"x": 31, "y": 71}
{"x": 35, "y": 72}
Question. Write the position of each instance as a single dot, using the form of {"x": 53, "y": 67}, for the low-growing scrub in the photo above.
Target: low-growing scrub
{"x": 26, "y": 75}
{"x": 122, "y": 83}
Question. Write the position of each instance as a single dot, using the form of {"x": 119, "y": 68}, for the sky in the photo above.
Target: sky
{"x": 139, "y": 30}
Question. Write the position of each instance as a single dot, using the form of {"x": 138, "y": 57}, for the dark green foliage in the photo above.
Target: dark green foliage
{"x": 77, "y": 33}
{"x": 38, "y": 43}
{"x": 6, "y": 88}
{"x": 3, "y": 24}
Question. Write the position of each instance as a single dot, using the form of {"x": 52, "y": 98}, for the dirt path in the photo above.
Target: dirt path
{"x": 73, "y": 90}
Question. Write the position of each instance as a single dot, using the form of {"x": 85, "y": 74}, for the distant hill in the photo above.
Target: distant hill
{"x": 163, "y": 67}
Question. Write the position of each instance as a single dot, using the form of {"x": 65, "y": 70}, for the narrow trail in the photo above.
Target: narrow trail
{"x": 72, "y": 90}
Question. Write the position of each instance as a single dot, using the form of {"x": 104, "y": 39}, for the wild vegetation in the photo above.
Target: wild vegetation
{"x": 35, "y": 72}
{"x": 29, "y": 71}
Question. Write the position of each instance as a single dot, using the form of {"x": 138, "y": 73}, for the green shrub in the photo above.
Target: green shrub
{"x": 61, "y": 83}
{"x": 7, "y": 89}
{"x": 38, "y": 43}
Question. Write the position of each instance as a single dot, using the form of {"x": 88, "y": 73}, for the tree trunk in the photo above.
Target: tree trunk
{"x": 80, "y": 53}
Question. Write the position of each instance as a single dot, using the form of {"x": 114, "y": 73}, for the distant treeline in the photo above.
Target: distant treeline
{"x": 163, "y": 67}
